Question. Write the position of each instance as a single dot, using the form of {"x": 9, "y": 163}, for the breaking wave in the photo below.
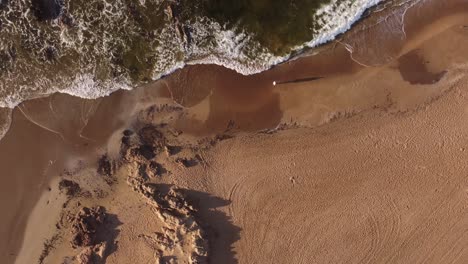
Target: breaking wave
{"x": 93, "y": 48}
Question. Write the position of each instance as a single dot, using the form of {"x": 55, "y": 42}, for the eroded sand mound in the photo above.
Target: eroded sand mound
{"x": 172, "y": 230}
{"x": 374, "y": 191}
{"x": 368, "y": 167}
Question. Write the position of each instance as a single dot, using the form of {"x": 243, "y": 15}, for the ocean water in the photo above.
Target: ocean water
{"x": 90, "y": 48}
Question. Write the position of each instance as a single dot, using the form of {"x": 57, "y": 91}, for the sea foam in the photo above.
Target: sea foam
{"x": 232, "y": 48}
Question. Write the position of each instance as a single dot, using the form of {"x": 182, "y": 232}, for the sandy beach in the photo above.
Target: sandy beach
{"x": 356, "y": 155}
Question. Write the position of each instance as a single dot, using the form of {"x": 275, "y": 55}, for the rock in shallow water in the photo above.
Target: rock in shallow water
{"x": 3, "y": 3}
{"x": 47, "y": 9}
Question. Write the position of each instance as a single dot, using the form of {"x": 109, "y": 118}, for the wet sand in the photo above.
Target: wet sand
{"x": 366, "y": 154}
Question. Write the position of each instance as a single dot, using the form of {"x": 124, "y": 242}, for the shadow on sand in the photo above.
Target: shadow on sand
{"x": 108, "y": 233}
{"x": 221, "y": 231}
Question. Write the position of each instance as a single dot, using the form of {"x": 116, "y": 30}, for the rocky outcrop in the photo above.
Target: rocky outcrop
{"x": 70, "y": 188}
{"x": 93, "y": 254}
{"x": 92, "y": 231}
{"x": 85, "y": 226}
{"x": 106, "y": 168}
{"x": 182, "y": 237}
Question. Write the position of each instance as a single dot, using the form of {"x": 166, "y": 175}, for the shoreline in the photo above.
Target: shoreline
{"x": 298, "y": 52}
{"x": 207, "y": 106}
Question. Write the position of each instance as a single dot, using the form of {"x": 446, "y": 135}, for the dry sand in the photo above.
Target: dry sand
{"x": 365, "y": 165}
